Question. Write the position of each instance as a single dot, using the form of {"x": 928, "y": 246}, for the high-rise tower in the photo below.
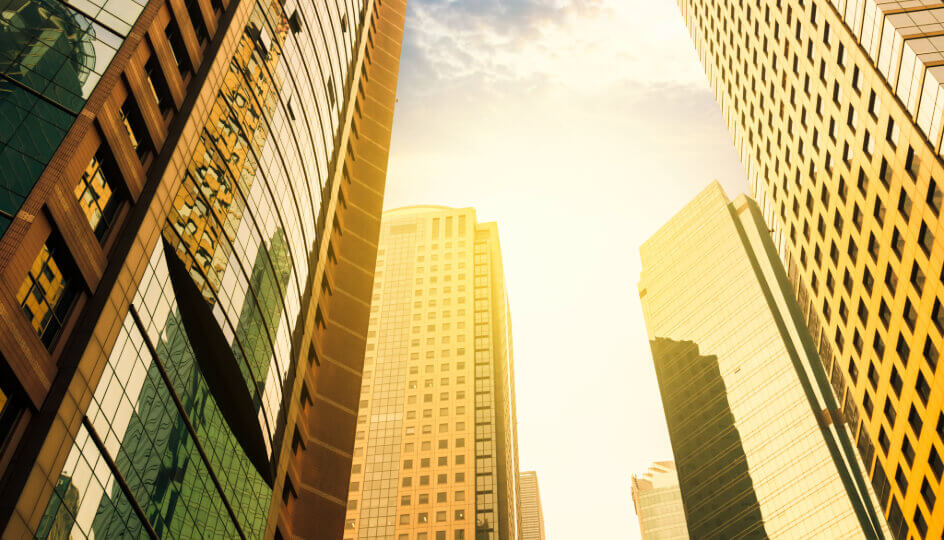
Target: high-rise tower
{"x": 436, "y": 452}
{"x": 836, "y": 109}
{"x": 755, "y": 430}
{"x": 658, "y": 503}
{"x": 190, "y": 208}
{"x": 532, "y": 514}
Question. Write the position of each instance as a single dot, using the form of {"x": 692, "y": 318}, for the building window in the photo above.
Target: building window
{"x": 130, "y": 116}
{"x": 914, "y": 420}
{"x": 97, "y": 192}
{"x": 901, "y": 479}
{"x": 919, "y": 521}
{"x": 177, "y": 47}
{"x": 937, "y": 465}
{"x": 934, "y": 197}
{"x": 923, "y": 388}
{"x": 928, "y": 494}
{"x": 158, "y": 85}
{"x": 925, "y": 239}
{"x": 930, "y": 353}
{"x": 196, "y": 19}
{"x": 49, "y": 290}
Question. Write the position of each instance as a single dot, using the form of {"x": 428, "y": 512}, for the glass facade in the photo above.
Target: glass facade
{"x": 837, "y": 120}
{"x": 532, "y": 514}
{"x": 658, "y": 503}
{"x": 430, "y": 449}
{"x": 162, "y": 448}
{"x": 52, "y": 55}
{"x": 751, "y": 418}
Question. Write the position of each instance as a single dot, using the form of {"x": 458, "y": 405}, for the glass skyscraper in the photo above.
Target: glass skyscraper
{"x": 755, "y": 430}
{"x": 658, "y": 503}
{"x": 436, "y": 451}
{"x": 190, "y": 210}
{"x": 835, "y": 108}
{"x": 532, "y": 514}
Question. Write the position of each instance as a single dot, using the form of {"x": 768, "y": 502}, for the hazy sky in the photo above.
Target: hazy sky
{"x": 580, "y": 126}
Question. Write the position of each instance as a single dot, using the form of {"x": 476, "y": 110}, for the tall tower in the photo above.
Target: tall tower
{"x": 658, "y": 503}
{"x": 836, "y": 110}
{"x": 755, "y": 431}
{"x": 189, "y": 207}
{"x": 436, "y": 452}
{"x": 532, "y": 514}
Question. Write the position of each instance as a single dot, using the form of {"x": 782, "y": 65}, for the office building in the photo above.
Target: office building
{"x": 532, "y": 515}
{"x": 190, "y": 210}
{"x": 658, "y": 503}
{"x": 435, "y": 453}
{"x": 755, "y": 430}
{"x": 835, "y": 108}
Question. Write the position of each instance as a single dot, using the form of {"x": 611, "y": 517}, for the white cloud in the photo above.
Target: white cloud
{"x": 583, "y": 45}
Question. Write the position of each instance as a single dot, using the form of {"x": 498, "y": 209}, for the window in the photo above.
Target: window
{"x": 914, "y": 420}
{"x": 910, "y": 314}
{"x": 925, "y": 239}
{"x": 890, "y": 412}
{"x": 892, "y": 132}
{"x": 196, "y": 19}
{"x": 130, "y": 116}
{"x": 902, "y": 349}
{"x": 937, "y": 465}
{"x": 883, "y": 440}
{"x": 934, "y": 197}
{"x": 875, "y": 104}
{"x": 923, "y": 388}
{"x": 927, "y": 493}
{"x": 158, "y": 85}
{"x": 919, "y": 521}
{"x": 177, "y": 47}
{"x": 97, "y": 191}
{"x": 937, "y": 315}
{"x": 912, "y": 163}
{"x": 908, "y": 451}
{"x": 917, "y": 278}
{"x": 930, "y": 353}
{"x": 901, "y": 479}
{"x": 895, "y": 381}
{"x": 49, "y": 289}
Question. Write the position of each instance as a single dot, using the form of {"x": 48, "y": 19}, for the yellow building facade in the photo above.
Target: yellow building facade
{"x": 435, "y": 454}
{"x": 835, "y": 110}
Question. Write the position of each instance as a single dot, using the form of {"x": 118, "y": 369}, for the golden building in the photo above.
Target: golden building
{"x": 753, "y": 424}
{"x": 435, "y": 454}
{"x": 532, "y": 514}
{"x": 836, "y": 111}
{"x": 189, "y": 217}
{"x": 658, "y": 503}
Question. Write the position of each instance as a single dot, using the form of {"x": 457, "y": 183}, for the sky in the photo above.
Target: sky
{"x": 580, "y": 127}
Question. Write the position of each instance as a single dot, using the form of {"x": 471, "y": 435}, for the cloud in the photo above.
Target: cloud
{"x": 576, "y": 45}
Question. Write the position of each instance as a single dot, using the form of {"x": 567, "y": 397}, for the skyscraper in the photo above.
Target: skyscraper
{"x": 658, "y": 503}
{"x": 190, "y": 209}
{"x": 436, "y": 454}
{"x": 755, "y": 431}
{"x": 532, "y": 515}
{"x": 836, "y": 108}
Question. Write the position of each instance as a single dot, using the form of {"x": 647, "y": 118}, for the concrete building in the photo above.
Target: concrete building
{"x": 658, "y": 503}
{"x": 532, "y": 514}
{"x": 189, "y": 210}
{"x": 436, "y": 454}
{"x": 758, "y": 443}
{"x": 836, "y": 110}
